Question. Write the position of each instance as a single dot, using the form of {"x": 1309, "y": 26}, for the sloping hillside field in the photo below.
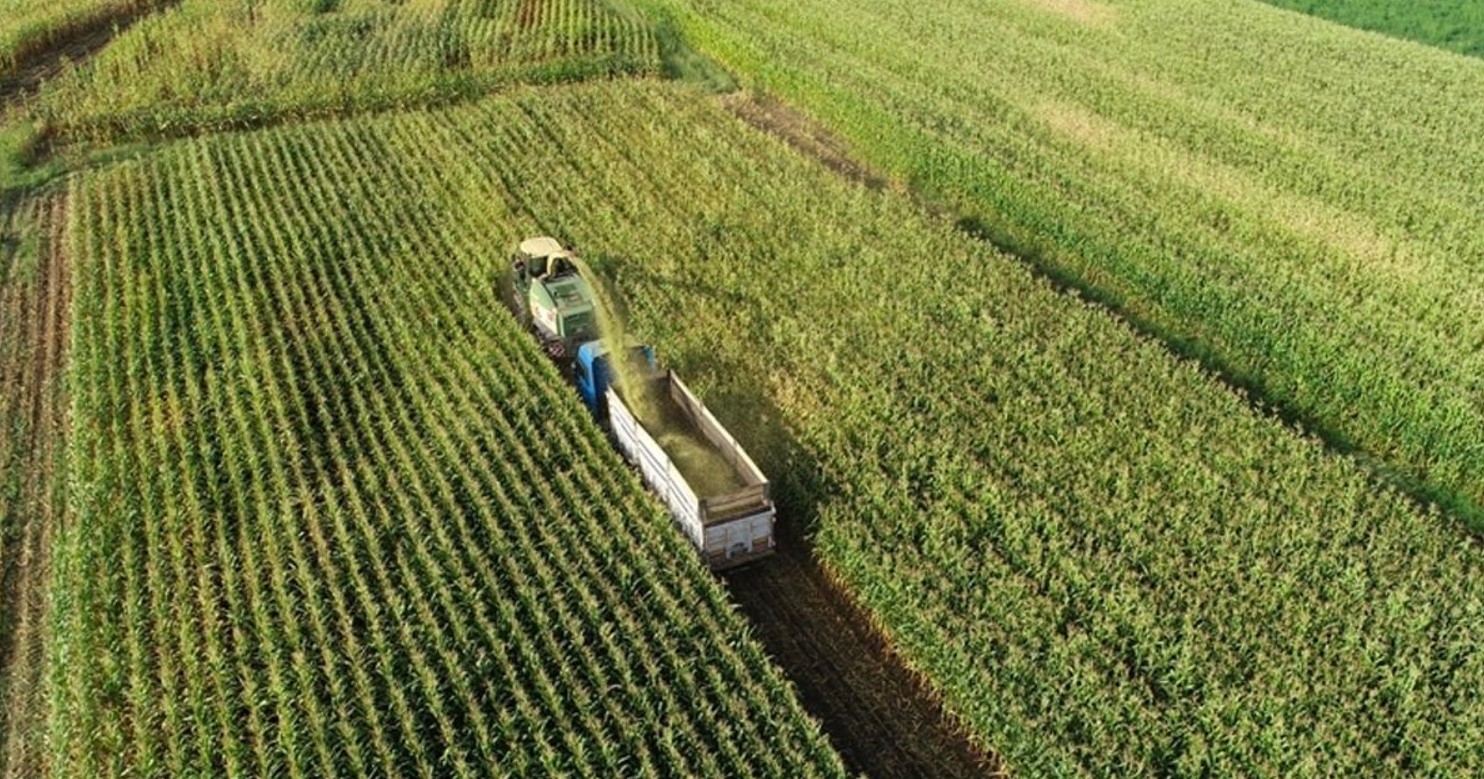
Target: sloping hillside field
{"x": 309, "y": 456}
{"x": 1295, "y": 203}
{"x": 336, "y": 515}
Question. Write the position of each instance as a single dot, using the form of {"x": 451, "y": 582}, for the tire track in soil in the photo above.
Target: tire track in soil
{"x": 35, "y": 371}
{"x": 879, "y": 714}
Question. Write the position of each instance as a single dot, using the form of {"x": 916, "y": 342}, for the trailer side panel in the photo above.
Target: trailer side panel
{"x": 658, "y": 470}
{"x": 728, "y": 529}
{"x": 740, "y": 540}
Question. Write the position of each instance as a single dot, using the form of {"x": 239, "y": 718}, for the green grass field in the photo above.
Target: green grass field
{"x": 1457, "y": 25}
{"x": 1292, "y": 202}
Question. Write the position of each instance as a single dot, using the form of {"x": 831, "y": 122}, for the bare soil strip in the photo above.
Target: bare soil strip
{"x": 881, "y": 715}
{"x": 74, "y": 46}
{"x": 808, "y": 137}
{"x": 32, "y": 377}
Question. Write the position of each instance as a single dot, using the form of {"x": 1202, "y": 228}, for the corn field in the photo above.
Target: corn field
{"x": 331, "y": 513}
{"x": 214, "y": 64}
{"x": 28, "y": 27}
{"x": 1295, "y": 204}
{"x": 336, "y": 515}
{"x": 1107, "y": 561}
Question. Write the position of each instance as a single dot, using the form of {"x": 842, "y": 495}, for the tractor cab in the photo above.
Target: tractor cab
{"x": 549, "y": 289}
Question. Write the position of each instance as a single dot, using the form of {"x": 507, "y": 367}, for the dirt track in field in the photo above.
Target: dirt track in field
{"x": 773, "y": 117}
{"x": 33, "y": 423}
{"x": 74, "y": 46}
{"x": 882, "y": 716}
{"x": 877, "y": 712}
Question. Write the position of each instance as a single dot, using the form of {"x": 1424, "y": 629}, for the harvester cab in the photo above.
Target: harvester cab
{"x": 551, "y": 295}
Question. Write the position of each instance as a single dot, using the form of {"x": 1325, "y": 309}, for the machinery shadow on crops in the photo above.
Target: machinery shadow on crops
{"x": 881, "y": 716}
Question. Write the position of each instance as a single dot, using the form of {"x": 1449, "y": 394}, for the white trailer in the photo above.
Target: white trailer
{"x": 732, "y": 527}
